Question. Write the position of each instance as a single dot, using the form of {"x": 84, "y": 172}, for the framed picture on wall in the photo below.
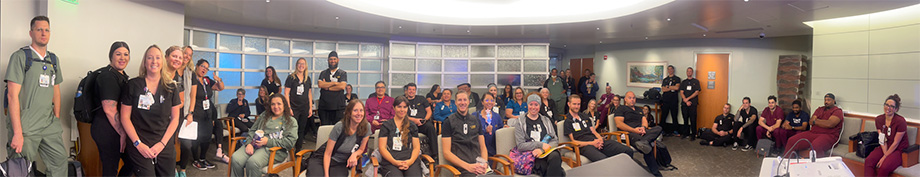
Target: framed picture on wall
{"x": 645, "y": 74}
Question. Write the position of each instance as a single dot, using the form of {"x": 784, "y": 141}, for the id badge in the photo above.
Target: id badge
{"x": 535, "y": 135}
{"x": 397, "y": 143}
{"x": 413, "y": 112}
{"x": 333, "y": 79}
{"x": 206, "y": 105}
{"x": 44, "y": 80}
{"x": 689, "y": 88}
{"x": 495, "y": 109}
{"x": 521, "y": 113}
{"x": 466, "y": 129}
{"x": 881, "y": 138}
{"x": 576, "y": 126}
{"x": 377, "y": 117}
{"x": 145, "y": 101}
{"x": 300, "y": 89}
{"x": 550, "y": 113}
{"x": 354, "y": 148}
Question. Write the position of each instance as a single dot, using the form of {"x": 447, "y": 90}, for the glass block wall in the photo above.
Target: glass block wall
{"x": 240, "y": 60}
{"x": 448, "y": 65}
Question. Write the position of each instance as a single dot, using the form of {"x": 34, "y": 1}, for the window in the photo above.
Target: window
{"x": 240, "y": 60}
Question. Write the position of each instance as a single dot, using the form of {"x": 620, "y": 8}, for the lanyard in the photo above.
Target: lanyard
{"x": 379, "y": 101}
{"x": 204, "y": 88}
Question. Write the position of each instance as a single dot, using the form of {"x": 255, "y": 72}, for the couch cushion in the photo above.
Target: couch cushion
{"x": 840, "y": 150}
{"x": 850, "y": 127}
{"x": 852, "y": 156}
{"x": 913, "y": 171}
{"x": 912, "y": 135}
{"x": 869, "y": 126}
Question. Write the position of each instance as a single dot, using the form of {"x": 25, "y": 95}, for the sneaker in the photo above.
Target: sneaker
{"x": 198, "y": 164}
{"x": 181, "y": 174}
{"x": 704, "y": 143}
{"x": 645, "y": 148}
{"x": 208, "y": 164}
{"x": 735, "y": 146}
{"x": 747, "y": 148}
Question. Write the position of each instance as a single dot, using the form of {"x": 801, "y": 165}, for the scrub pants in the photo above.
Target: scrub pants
{"x": 669, "y": 106}
{"x": 782, "y": 136}
{"x": 330, "y": 117}
{"x": 315, "y": 168}
{"x": 748, "y": 134}
{"x": 689, "y": 113}
{"x": 304, "y": 125}
{"x": 762, "y": 134}
{"x": 46, "y": 144}
{"x": 108, "y": 144}
{"x": 551, "y": 165}
{"x": 650, "y": 136}
{"x": 251, "y": 165}
{"x": 611, "y": 148}
{"x": 715, "y": 138}
{"x": 163, "y": 165}
{"x": 892, "y": 162}
{"x": 821, "y": 142}
{"x": 390, "y": 170}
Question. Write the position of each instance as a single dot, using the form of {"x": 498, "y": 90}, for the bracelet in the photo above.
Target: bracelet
{"x": 164, "y": 144}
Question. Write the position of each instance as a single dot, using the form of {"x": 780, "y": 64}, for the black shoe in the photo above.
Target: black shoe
{"x": 207, "y": 164}
{"x": 704, "y": 143}
{"x": 692, "y": 137}
{"x": 197, "y": 164}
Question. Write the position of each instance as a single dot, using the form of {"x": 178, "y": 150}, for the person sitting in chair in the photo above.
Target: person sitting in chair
{"x": 268, "y": 131}
{"x": 580, "y": 130}
{"x": 629, "y": 118}
{"x": 534, "y": 133}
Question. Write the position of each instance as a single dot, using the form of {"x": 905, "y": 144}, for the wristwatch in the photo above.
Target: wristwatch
{"x": 137, "y": 142}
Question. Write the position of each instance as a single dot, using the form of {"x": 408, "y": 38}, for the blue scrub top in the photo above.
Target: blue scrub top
{"x": 516, "y": 108}
{"x": 441, "y": 110}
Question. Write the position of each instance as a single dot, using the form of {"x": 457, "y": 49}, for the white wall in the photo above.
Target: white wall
{"x": 752, "y": 66}
{"x": 865, "y": 58}
{"x": 82, "y": 34}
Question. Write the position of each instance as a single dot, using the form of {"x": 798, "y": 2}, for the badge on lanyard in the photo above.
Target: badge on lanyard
{"x": 521, "y": 113}
{"x": 550, "y": 113}
{"x": 44, "y": 80}
{"x": 495, "y": 109}
{"x": 397, "y": 141}
{"x": 354, "y": 148}
{"x": 206, "y": 105}
{"x": 881, "y": 138}
{"x": 145, "y": 100}
{"x": 300, "y": 89}
{"x": 377, "y": 117}
{"x": 413, "y": 112}
{"x": 577, "y": 126}
{"x": 689, "y": 88}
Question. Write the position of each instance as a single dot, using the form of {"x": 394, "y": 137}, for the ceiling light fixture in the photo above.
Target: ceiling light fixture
{"x": 598, "y": 29}
{"x": 669, "y": 19}
{"x": 336, "y": 17}
{"x": 704, "y": 35}
{"x": 400, "y": 27}
{"x": 646, "y": 37}
{"x": 505, "y": 12}
{"x": 601, "y": 42}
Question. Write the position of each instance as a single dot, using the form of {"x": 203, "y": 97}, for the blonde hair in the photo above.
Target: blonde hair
{"x": 163, "y": 75}
{"x": 303, "y": 75}
{"x": 169, "y": 50}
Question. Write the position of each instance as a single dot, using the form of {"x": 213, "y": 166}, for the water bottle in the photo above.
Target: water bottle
{"x": 546, "y": 138}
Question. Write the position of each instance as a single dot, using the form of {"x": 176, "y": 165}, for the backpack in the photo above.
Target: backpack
{"x": 764, "y": 147}
{"x": 17, "y": 167}
{"x": 523, "y": 161}
{"x": 28, "y": 51}
{"x": 664, "y": 156}
{"x": 84, "y": 101}
{"x": 865, "y": 143}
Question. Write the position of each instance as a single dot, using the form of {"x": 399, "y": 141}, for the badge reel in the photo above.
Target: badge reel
{"x": 465, "y": 129}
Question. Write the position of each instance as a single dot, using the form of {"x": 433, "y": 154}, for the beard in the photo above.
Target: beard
{"x": 333, "y": 66}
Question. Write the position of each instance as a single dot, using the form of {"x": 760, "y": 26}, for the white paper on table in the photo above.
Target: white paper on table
{"x": 189, "y": 132}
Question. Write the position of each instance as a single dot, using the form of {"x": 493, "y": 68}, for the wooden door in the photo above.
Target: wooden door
{"x": 712, "y": 72}
{"x": 587, "y": 63}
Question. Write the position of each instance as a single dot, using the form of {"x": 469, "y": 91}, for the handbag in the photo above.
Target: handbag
{"x": 764, "y": 147}
{"x": 18, "y": 167}
{"x": 523, "y": 161}
{"x": 866, "y": 142}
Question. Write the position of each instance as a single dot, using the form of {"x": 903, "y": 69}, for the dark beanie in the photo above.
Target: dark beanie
{"x": 333, "y": 54}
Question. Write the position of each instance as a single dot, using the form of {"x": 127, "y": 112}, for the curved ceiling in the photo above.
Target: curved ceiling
{"x": 675, "y": 20}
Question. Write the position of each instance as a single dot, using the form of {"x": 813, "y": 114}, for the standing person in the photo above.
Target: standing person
{"x": 33, "y": 77}
{"x": 491, "y": 122}
{"x": 581, "y": 82}
{"x": 398, "y": 143}
{"x": 721, "y": 131}
{"x": 271, "y": 81}
{"x": 745, "y": 128}
{"x": 589, "y": 90}
{"x": 332, "y": 82}
{"x": 516, "y": 106}
{"x": 770, "y": 120}
{"x": 499, "y": 103}
{"x": 573, "y": 88}
{"x": 534, "y": 134}
{"x": 690, "y": 89}
{"x": 420, "y": 114}
{"x": 238, "y": 108}
{"x": 581, "y": 132}
{"x": 351, "y": 134}
{"x": 106, "y": 122}
{"x": 892, "y": 127}
{"x": 827, "y": 122}
{"x": 298, "y": 90}
{"x": 474, "y": 97}
{"x": 641, "y": 135}
{"x": 507, "y": 93}
{"x": 434, "y": 95}
{"x": 349, "y": 95}
{"x": 669, "y": 100}
{"x": 203, "y": 113}
{"x": 262, "y": 101}
{"x": 446, "y": 107}
{"x": 380, "y": 107}
{"x": 463, "y": 143}
{"x": 150, "y": 115}
{"x": 796, "y": 121}
{"x": 178, "y": 61}
{"x": 252, "y": 157}
{"x": 548, "y": 105}
{"x": 557, "y": 86}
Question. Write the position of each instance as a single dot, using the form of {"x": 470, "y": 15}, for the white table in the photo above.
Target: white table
{"x": 828, "y": 166}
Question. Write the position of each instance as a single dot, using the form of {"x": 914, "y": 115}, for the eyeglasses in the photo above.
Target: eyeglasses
{"x": 890, "y": 106}
{"x": 380, "y": 87}
{"x": 487, "y": 101}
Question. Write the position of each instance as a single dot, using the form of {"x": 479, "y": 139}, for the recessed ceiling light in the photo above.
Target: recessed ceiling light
{"x": 268, "y": 0}
{"x": 457, "y": 12}
{"x": 598, "y": 29}
{"x": 400, "y": 27}
{"x": 646, "y": 37}
{"x": 563, "y": 46}
{"x": 467, "y": 31}
{"x": 704, "y": 35}
{"x": 669, "y": 19}
{"x": 746, "y": 0}
{"x": 601, "y": 42}
{"x": 336, "y": 17}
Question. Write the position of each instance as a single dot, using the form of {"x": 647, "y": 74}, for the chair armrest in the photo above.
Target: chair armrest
{"x": 298, "y": 159}
{"x": 505, "y": 164}
{"x": 574, "y": 148}
{"x": 232, "y": 143}
{"x": 225, "y": 118}
{"x": 271, "y": 157}
{"x": 851, "y": 146}
{"x": 449, "y": 168}
{"x": 428, "y": 160}
{"x": 375, "y": 162}
{"x": 909, "y": 155}
{"x": 506, "y": 158}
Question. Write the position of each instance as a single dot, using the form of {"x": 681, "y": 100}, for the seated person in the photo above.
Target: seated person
{"x": 463, "y": 144}
{"x": 647, "y": 111}
{"x": 628, "y": 118}
{"x": 796, "y": 121}
{"x": 744, "y": 127}
{"x": 239, "y": 108}
{"x": 827, "y": 121}
{"x": 379, "y": 107}
{"x": 594, "y": 116}
{"x": 580, "y": 130}
{"x": 399, "y": 144}
{"x": 346, "y": 143}
{"x": 770, "y": 120}
{"x": 420, "y": 114}
{"x": 533, "y": 134}
{"x": 887, "y": 157}
{"x": 721, "y": 130}
{"x": 516, "y": 106}
{"x": 491, "y": 121}
{"x": 444, "y": 108}
{"x": 250, "y": 160}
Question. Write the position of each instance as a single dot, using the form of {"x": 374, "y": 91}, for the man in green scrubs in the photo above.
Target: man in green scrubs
{"x": 35, "y": 102}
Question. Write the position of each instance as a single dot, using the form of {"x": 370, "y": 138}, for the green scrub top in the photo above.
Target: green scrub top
{"x": 35, "y": 97}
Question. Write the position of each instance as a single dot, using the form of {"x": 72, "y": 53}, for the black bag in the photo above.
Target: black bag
{"x": 764, "y": 147}
{"x": 17, "y": 167}
{"x": 75, "y": 169}
{"x": 664, "y": 156}
{"x": 85, "y": 100}
{"x": 865, "y": 143}
{"x": 652, "y": 93}
{"x": 320, "y": 151}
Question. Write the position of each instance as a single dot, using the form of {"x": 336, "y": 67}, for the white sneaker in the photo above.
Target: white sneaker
{"x": 735, "y": 146}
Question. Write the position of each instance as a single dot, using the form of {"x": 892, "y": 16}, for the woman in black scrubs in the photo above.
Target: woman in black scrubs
{"x": 262, "y": 100}
{"x": 434, "y": 95}
{"x": 238, "y": 108}
{"x": 298, "y": 91}
{"x": 106, "y": 123}
{"x": 203, "y": 113}
{"x": 398, "y": 143}
{"x": 150, "y": 114}
{"x": 271, "y": 81}
{"x": 349, "y": 95}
